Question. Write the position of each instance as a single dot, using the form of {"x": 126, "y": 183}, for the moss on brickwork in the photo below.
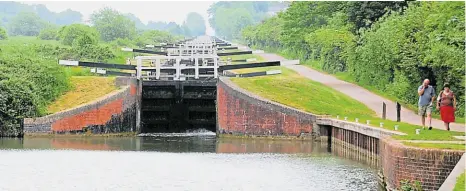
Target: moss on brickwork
{"x": 85, "y": 89}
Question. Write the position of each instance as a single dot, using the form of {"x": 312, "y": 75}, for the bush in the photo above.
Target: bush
{"x": 48, "y": 34}
{"x": 3, "y": 35}
{"x": 29, "y": 81}
{"x": 82, "y": 33}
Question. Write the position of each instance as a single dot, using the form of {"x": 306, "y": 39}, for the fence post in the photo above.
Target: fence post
{"x": 398, "y": 112}
{"x": 384, "y": 110}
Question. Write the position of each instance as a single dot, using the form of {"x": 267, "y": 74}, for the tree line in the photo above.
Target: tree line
{"x": 229, "y": 18}
{"x": 390, "y": 46}
{"x": 29, "y": 20}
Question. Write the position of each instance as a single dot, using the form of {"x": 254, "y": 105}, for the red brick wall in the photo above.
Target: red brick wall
{"x": 429, "y": 166}
{"x": 97, "y": 116}
{"x": 239, "y": 113}
{"x": 112, "y": 113}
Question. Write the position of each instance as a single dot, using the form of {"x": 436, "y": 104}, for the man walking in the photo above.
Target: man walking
{"x": 426, "y": 97}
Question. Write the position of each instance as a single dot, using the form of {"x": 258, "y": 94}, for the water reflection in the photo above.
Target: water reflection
{"x": 179, "y": 163}
{"x": 176, "y": 144}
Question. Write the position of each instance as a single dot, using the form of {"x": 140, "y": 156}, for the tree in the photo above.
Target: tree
{"x": 195, "y": 23}
{"x": 363, "y": 13}
{"x": 50, "y": 33}
{"x": 112, "y": 25}
{"x": 154, "y": 37}
{"x": 78, "y": 32}
{"x": 26, "y": 24}
{"x": 138, "y": 23}
{"x": 3, "y": 34}
{"x": 68, "y": 17}
{"x": 229, "y": 18}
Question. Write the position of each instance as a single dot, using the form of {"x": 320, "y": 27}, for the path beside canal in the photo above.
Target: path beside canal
{"x": 372, "y": 100}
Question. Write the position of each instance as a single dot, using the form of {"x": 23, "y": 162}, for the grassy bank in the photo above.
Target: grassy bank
{"x": 242, "y": 57}
{"x": 348, "y": 78}
{"x": 460, "y": 183}
{"x": 291, "y": 89}
{"x": 450, "y": 146}
{"x": 317, "y": 65}
{"x": 84, "y": 89}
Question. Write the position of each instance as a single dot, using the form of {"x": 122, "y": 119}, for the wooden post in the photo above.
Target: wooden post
{"x": 398, "y": 112}
{"x": 384, "y": 110}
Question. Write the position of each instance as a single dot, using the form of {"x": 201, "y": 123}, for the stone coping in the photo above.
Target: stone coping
{"x": 78, "y": 109}
{"x": 358, "y": 127}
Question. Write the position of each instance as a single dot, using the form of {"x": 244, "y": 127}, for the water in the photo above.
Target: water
{"x": 194, "y": 161}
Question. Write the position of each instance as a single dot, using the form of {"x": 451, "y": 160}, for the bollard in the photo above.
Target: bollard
{"x": 417, "y": 131}
{"x": 384, "y": 110}
{"x": 368, "y": 122}
{"x": 398, "y": 112}
{"x": 357, "y": 120}
{"x": 396, "y": 127}
{"x": 338, "y": 117}
{"x": 381, "y": 124}
{"x": 346, "y": 118}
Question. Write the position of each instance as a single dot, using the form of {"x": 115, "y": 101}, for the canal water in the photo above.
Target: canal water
{"x": 189, "y": 161}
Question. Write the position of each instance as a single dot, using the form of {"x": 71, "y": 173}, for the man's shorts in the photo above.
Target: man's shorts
{"x": 423, "y": 110}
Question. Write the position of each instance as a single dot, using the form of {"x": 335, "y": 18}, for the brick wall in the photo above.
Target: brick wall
{"x": 115, "y": 112}
{"x": 242, "y": 113}
{"x": 429, "y": 166}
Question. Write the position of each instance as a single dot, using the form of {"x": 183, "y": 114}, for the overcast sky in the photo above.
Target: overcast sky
{"x": 167, "y": 11}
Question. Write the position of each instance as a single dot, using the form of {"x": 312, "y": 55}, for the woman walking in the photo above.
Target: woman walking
{"x": 446, "y": 101}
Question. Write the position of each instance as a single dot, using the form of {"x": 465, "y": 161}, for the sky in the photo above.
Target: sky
{"x": 146, "y": 11}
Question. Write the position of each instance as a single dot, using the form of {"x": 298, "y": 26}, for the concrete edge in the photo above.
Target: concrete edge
{"x": 450, "y": 182}
{"x": 361, "y": 128}
{"x": 399, "y": 144}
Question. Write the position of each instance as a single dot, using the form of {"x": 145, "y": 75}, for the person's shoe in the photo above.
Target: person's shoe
{"x": 430, "y": 128}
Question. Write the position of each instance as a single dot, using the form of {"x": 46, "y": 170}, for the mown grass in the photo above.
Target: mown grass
{"x": 460, "y": 183}
{"x": 348, "y": 78}
{"x": 84, "y": 89}
{"x": 450, "y": 146}
{"x": 242, "y": 57}
{"x": 291, "y": 89}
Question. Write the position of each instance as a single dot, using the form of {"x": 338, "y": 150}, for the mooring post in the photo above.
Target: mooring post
{"x": 398, "y": 112}
{"x": 384, "y": 110}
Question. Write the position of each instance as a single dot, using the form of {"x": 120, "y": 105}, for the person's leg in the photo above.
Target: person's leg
{"x": 446, "y": 125}
{"x": 429, "y": 116}
{"x": 422, "y": 113}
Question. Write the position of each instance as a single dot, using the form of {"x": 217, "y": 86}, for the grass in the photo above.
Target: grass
{"x": 85, "y": 89}
{"x": 348, "y": 78}
{"x": 27, "y": 40}
{"x": 242, "y": 57}
{"x": 291, "y": 89}
{"x": 460, "y": 183}
{"x": 450, "y": 146}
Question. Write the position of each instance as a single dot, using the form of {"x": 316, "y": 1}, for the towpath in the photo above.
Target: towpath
{"x": 371, "y": 100}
